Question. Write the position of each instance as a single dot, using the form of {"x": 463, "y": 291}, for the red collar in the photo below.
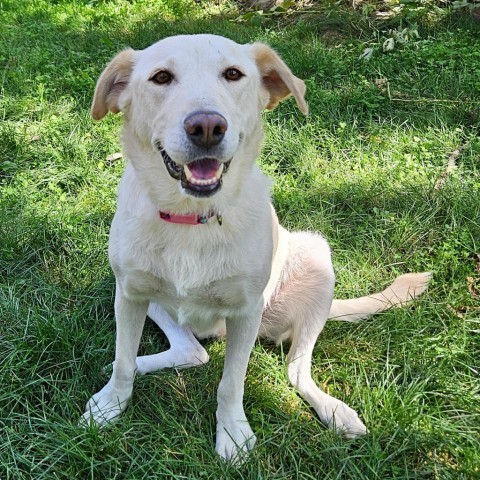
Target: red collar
{"x": 190, "y": 218}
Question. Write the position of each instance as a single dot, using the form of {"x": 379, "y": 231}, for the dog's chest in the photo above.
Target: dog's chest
{"x": 197, "y": 285}
{"x": 192, "y": 271}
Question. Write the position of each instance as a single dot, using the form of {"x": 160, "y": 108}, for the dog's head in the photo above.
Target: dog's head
{"x": 193, "y": 101}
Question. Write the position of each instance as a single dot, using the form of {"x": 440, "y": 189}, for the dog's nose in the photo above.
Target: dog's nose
{"x": 205, "y": 129}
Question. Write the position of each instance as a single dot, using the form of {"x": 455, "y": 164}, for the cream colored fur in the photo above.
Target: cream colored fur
{"x": 245, "y": 277}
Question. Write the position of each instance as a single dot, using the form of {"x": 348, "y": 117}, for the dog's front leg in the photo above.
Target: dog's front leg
{"x": 113, "y": 398}
{"x": 234, "y": 435}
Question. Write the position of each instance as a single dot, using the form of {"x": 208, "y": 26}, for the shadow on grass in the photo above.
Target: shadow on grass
{"x": 63, "y": 52}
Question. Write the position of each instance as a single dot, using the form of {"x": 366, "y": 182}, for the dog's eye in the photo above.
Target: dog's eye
{"x": 162, "y": 77}
{"x": 233, "y": 74}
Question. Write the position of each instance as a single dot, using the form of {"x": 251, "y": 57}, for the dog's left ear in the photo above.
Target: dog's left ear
{"x": 277, "y": 78}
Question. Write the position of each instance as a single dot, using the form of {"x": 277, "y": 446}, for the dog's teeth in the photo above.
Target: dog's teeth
{"x": 188, "y": 173}
{"x": 203, "y": 181}
{"x": 198, "y": 181}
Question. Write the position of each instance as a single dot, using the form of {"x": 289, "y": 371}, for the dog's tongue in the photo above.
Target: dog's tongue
{"x": 204, "y": 168}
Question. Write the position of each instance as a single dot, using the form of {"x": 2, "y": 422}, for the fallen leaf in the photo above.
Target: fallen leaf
{"x": 381, "y": 83}
{"x": 472, "y": 287}
{"x": 388, "y": 45}
{"x": 114, "y": 156}
{"x": 367, "y": 54}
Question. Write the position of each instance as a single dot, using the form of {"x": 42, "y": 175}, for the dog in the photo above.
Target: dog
{"x": 195, "y": 243}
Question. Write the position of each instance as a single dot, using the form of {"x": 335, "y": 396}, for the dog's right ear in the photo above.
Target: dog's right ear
{"x": 277, "y": 78}
{"x": 112, "y": 83}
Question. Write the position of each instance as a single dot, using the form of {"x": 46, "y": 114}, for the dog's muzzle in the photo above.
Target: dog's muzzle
{"x": 200, "y": 178}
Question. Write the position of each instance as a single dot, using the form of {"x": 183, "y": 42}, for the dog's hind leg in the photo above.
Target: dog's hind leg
{"x": 299, "y": 312}
{"x": 332, "y": 412}
{"x": 185, "y": 350}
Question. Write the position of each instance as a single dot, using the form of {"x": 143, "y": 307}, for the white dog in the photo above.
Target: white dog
{"x": 195, "y": 242}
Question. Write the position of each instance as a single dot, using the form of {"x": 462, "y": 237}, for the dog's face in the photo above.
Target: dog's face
{"x": 193, "y": 100}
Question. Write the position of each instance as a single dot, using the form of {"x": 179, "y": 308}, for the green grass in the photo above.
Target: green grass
{"x": 361, "y": 169}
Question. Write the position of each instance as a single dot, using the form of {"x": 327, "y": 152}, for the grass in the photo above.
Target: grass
{"x": 362, "y": 168}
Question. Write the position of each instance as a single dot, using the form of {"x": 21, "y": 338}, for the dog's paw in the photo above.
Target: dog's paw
{"x": 234, "y": 440}
{"x": 105, "y": 406}
{"x": 344, "y": 420}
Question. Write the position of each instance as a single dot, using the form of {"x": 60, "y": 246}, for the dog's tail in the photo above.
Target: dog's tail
{"x": 401, "y": 292}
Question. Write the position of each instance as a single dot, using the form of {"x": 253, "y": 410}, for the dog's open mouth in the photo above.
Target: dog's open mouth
{"x": 200, "y": 178}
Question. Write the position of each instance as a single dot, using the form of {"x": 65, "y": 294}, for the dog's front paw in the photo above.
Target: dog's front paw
{"x": 344, "y": 420}
{"x": 234, "y": 440}
{"x": 106, "y": 405}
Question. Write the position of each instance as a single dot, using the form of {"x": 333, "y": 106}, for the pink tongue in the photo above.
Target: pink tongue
{"x": 204, "y": 169}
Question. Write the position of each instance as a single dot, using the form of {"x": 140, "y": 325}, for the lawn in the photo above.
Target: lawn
{"x": 386, "y": 166}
